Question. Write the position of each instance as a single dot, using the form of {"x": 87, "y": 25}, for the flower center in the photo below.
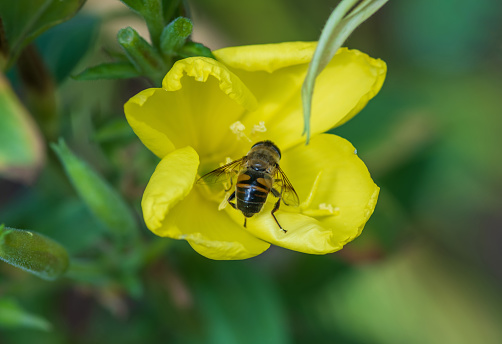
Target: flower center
{"x": 259, "y": 128}
{"x": 238, "y": 129}
{"x": 253, "y": 135}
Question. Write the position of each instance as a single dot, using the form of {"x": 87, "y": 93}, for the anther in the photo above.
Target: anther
{"x": 238, "y": 129}
{"x": 259, "y": 128}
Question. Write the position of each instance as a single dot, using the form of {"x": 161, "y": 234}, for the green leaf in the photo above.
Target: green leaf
{"x": 136, "y": 5}
{"x": 24, "y": 20}
{"x": 144, "y": 57}
{"x": 175, "y": 35}
{"x": 21, "y": 147}
{"x": 174, "y": 8}
{"x": 114, "y": 70}
{"x": 12, "y": 315}
{"x": 152, "y": 12}
{"x": 33, "y": 252}
{"x": 341, "y": 23}
{"x": 195, "y": 49}
{"x": 64, "y": 46}
{"x": 104, "y": 202}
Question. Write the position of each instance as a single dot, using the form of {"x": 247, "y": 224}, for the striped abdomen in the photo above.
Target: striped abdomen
{"x": 252, "y": 190}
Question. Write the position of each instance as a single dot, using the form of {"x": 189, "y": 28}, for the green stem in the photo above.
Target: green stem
{"x": 154, "y": 20}
{"x": 341, "y": 23}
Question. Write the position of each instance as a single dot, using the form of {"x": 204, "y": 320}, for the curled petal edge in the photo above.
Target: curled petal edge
{"x": 200, "y": 68}
{"x": 171, "y": 182}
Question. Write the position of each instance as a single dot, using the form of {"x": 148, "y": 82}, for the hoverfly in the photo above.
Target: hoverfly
{"x": 258, "y": 174}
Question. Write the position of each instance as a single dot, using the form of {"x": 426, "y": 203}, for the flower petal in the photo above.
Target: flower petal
{"x": 201, "y": 98}
{"x": 172, "y": 181}
{"x": 200, "y": 68}
{"x": 337, "y": 194}
{"x": 344, "y": 87}
{"x": 172, "y": 209}
{"x": 144, "y": 115}
{"x": 210, "y": 232}
{"x": 266, "y": 57}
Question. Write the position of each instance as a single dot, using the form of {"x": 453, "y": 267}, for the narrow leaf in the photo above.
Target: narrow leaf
{"x": 104, "y": 202}
{"x": 12, "y": 315}
{"x": 64, "y": 46}
{"x": 21, "y": 148}
{"x": 174, "y": 8}
{"x": 195, "y": 49}
{"x": 33, "y": 252}
{"x": 136, "y": 5}
{"x": 24, "y": 20}
{"x": 341, "y": 23}
{"x": 115, "y": 70}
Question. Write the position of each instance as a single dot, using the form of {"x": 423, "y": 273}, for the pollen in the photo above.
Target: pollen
{"x": 259, "y": 128}
{"x": 238, "y": 129}
{"x": 329, "y": 208}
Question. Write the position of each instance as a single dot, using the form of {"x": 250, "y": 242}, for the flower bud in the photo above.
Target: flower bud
{"x": 141, "y": 54}
{"x": 195, "y": 49}
{"x": 175, "y": 35}
{"x": 33, "y": 252}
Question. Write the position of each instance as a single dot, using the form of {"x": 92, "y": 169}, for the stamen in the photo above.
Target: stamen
{"x": 324, "y": 209}
{"x": 259, "y": 128}
{"x": 329, "y": 208}
{"x": 238, "y": 129}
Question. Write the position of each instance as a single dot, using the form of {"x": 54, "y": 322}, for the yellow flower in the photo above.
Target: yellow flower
{"x": 208, "y": 112}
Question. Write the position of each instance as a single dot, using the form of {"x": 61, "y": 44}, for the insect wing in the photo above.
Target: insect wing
{"x": 289, "y": 195}
{"x": 222, "y": 173}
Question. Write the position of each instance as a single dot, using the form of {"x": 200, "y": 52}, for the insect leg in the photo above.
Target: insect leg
{"x": 231, "y": 185}
{"x": 276, "y": 207}
{"x": 230, "y": 199}
{"x": 275, "y": 192}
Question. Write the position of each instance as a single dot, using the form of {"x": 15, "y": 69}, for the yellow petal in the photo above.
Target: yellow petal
{"x": 304, "y": 233}
{"x": 143, "y": 115}
{"x": 201, "y": 98}
{"x": 337, "y": 194}
{"x": 172, "y": 181}
{"x": 200, "y": 68}
{"x": 266, "y": 57}
{"x": 171, "y": 208}
{"x": 344, "y": 87}
{"x": 210, "y": 232}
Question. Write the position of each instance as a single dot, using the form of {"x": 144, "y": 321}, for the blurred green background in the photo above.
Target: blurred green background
{"x": 427, "y": 267}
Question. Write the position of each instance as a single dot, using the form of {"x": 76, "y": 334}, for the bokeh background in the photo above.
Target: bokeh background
{"x": 427, "y": 267}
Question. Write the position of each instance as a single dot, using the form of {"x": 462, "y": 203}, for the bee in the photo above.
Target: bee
{"x": 258, "y": 174}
